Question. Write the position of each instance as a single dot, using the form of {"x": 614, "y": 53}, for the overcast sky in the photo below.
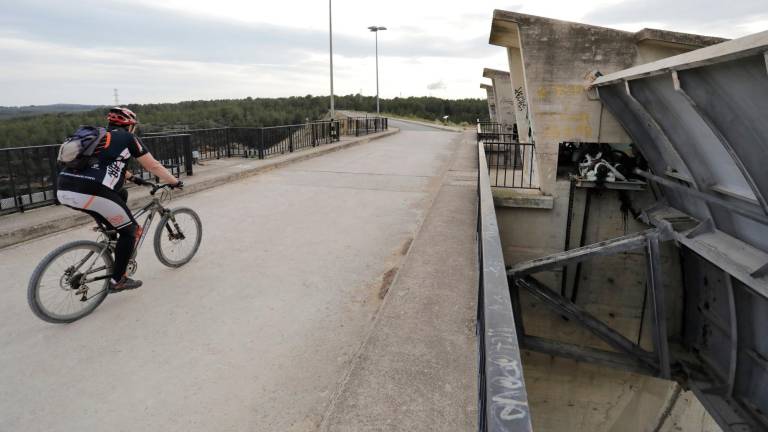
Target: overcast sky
{"x": 77, "y": 51}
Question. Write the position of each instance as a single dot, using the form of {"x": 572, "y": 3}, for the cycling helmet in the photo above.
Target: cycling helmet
{"x": 122, "y": 116}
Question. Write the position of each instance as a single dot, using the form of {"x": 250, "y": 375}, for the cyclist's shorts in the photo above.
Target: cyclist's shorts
{"x": 104, "y": 204}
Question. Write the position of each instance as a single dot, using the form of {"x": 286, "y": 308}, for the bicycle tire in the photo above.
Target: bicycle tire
{"x": 33, "y": 294}
{"x": 159, "y": 232}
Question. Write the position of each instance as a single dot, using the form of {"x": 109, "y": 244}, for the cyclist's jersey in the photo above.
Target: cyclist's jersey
{"x": 110, "y": 158}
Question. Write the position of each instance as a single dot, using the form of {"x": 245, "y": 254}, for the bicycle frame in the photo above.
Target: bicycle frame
{"x": 151, "y": 209}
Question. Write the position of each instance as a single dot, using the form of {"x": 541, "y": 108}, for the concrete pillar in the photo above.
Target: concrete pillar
{"x": 505, "y": 98}
{"x": 517, "y": 75}
{"x": 550, "y": 62}
{"x": 491, "y": 95}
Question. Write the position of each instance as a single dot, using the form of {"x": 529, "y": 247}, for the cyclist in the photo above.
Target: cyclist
{"x": 96, "y": 190}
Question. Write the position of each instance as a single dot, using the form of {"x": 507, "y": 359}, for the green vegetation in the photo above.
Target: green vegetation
{"x": 54, "y": 127}
{"x": 32, "y": 110}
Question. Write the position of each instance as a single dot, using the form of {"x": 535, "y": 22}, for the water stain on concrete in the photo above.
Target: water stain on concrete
{"x": 386, "y": 282}
{"x": 406, "y": 246}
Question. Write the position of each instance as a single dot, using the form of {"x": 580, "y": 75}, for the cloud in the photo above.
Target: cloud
{"x": 438, "y": 85}
{"x": 175, "y": 35}
{"x": 78, "y": 51}
{"x": 701, "y": 16}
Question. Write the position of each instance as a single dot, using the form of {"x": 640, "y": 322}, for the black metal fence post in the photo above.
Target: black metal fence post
{"x": 261, "y": 143}
{"x": 53, "y": 155}
{"x": 313, "y": 133}
{"x": 186, "y": 143}
{"x": 227, "y": 142}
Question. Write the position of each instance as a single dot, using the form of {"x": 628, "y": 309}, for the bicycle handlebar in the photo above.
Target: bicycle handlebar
{"x": 155, "y": 186}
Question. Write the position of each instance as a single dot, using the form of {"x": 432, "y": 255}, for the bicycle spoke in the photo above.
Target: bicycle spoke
{"x": 178, "y": 247}
{"x": 58, "y": 296}
{"x": 96, "y": 294}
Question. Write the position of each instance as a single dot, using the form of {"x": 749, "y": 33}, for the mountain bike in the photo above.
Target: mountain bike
{"x": 72, "y": 280}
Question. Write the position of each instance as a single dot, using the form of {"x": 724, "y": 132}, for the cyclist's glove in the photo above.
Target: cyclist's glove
{"x": 179, "y": 185}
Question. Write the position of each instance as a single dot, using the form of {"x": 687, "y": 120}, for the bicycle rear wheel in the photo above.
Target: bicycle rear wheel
{"x": 178, "y": 237}
{"x": 59, "y": 290}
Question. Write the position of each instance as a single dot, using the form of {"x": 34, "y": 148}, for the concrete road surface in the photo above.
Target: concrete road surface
{"x": 256, "y": 333}
{"x": 411, "y": 126}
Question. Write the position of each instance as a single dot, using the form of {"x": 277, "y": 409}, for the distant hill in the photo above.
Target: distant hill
{"x": 32, "y": 110}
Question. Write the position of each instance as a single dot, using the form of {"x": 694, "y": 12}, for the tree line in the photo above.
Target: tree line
{"x": 52, "y": 128}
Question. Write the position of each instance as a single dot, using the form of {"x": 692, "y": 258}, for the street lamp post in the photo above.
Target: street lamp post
{"x": 376, "y": 29}
{"x": 330, "y": 40}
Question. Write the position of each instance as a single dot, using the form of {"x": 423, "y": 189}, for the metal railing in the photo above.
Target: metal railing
{"x": 286, "y": 139}
{"x": 365, "y": 125}
{"x": 27, "y": 177}
{"x": 28, "y": 174}
{"x": 510, "y": 164}
{"x": 488, "y": 129}
{"x": 493, "y": 130}
{"x": 258, "y": 142}
{"x": 173, "y": 151}
{"x": 502, "y": 397}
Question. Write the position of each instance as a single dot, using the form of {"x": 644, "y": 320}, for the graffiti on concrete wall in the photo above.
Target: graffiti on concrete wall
{"x": 522, "y": 104}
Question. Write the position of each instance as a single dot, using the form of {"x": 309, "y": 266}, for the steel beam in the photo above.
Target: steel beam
{"x": 572, "y": 311}
{"x": 733, "y": 333}
{"x": 657, "y": 304}
{"x": 586, "y": 354}
{"x": 754, "y": 213}
{"x": 707, "y": 226}
{"x": 726, "y": 411}
{"x": 603, "y": 248}
{"x": 737, "y": 258}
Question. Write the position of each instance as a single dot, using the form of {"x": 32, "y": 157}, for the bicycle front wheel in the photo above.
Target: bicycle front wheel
{"x": 70, "y": 282}
{"x": 178, "y": 237}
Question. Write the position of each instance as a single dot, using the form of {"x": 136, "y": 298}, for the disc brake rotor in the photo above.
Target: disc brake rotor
{"x": 132, "y": 267}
